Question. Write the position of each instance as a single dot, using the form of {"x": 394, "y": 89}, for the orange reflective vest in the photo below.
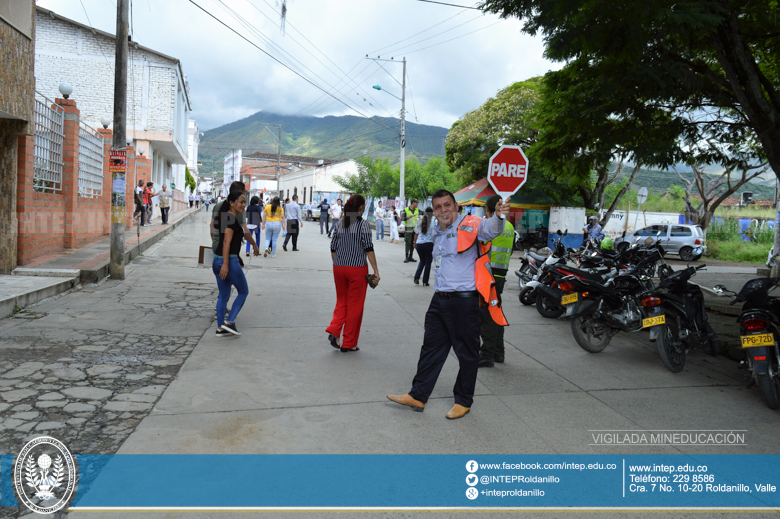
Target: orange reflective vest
{"x": 486, "y": 284}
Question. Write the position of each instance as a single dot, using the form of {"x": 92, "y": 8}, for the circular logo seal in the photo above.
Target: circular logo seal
{"x": 45, "y": 475}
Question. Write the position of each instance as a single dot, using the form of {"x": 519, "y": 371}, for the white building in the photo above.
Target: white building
{"x": 313, "y": 184}
{"x": 157, "y": 92}
{"x": 193, "y": 139}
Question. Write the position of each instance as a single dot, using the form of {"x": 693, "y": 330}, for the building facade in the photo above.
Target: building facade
{"x": 158, "y": 102}
{"x": 17, "y": 105}
{"x": 313, "y": 184}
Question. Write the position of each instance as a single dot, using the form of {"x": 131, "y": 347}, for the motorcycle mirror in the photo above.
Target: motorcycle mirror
{"x": 719, "y": 289}
{"x": 649, "y": 241}
{"x": 566, "y": 232}
{"x": 624, "y": 234}
{"x": 558, "y": 232}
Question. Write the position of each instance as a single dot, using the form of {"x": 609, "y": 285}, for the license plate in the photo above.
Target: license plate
{"x": 571, "y": 298}
{"x": 653, "y": 321}
{"x": 752, "y": 341}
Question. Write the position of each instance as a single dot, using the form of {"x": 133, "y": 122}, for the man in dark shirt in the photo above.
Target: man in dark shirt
{"x": 324, "y": 215}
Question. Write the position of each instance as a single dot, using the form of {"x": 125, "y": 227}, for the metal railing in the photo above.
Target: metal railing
{"x": 90, "y": 162}
{"x": 47, "y": 165}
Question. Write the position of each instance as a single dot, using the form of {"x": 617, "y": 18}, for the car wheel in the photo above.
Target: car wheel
{"x": 686, "y": 254}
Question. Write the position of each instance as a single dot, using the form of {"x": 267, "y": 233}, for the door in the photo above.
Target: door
{"x": 680, "y": 236}
{"x": 651, "y": 231}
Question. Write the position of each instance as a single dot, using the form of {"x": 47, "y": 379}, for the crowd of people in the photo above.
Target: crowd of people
{"x": 469, "y": 256}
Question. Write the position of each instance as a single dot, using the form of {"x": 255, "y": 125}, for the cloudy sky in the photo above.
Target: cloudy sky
{"x": 456, "y": 58}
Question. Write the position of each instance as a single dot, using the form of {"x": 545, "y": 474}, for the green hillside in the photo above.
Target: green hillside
{"x": 658, "y": 182}
{"x": 323, "y": 137}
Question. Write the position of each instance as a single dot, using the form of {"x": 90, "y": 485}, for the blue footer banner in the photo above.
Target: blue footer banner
{"x": 411, "y": 481}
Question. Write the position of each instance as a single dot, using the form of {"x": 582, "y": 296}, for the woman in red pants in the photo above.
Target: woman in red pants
{"x": 349, "y": 247}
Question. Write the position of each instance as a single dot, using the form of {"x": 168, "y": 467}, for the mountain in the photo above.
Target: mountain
{"x": 658, "y": 182}
{"x": 328, "y": 137}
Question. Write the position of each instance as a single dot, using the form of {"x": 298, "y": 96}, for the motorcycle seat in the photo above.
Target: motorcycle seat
{"x": 586, "y": 273}
{"x": 536, "y": 257}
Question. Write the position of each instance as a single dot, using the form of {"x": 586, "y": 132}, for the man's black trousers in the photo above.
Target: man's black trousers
{"x": 449, "y": 323}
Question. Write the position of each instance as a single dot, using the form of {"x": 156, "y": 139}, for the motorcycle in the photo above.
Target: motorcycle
{"x": 759, "y": 328}
{"x": 532, "y": 269}
{"x": 677, "y": 309}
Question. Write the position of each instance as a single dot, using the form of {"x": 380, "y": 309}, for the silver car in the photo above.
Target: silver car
{"x": 679, "y": 239}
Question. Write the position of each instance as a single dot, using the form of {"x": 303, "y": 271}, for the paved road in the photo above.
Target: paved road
{"x": 280, "y": 387}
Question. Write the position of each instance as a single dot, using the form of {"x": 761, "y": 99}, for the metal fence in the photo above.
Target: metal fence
{"x": 47, "y": 165}
{"x": 90, "y": 162}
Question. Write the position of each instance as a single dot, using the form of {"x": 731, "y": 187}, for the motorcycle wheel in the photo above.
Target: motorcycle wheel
{"x": 768, "y": 390}
{"x": 528, "y": 296}
{"x": 711, "y": 344}
{"x": 548, "y": 308}
{"x": 590, "y": 334}
{"x": 670, "y": 347}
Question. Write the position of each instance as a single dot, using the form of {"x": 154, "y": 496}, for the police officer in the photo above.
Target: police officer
{"x": 463, "y": 281}
{"x": 492, "y": 349}
{"x": 411, "y": 214}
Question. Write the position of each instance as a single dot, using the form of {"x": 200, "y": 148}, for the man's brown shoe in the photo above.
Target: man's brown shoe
{"x": 457, "y": 411}
{"x": 407, "y": 400}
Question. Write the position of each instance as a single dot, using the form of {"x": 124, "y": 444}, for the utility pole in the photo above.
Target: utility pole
{"x": 116, "y": 265}
{"x": 403, "y": 132}
{"x": 279, "y": 162}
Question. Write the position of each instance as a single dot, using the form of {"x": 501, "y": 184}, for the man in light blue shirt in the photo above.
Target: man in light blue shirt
{"x": 292, "y": 212}
{"x": 454, "y": 317}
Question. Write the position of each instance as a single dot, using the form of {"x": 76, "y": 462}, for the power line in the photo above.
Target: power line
{"x": 450, "y": 5}
{"x": 418, "y": 33}
{"x": 455, "y": 38}
{"x": 399, "y": 49}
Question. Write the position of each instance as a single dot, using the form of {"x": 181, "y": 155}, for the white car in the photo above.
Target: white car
{"x": 679, "y": 239}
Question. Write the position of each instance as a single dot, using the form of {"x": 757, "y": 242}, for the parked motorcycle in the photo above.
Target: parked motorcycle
{"x": 759, "y": 328}
{"x": 531, "y": 269}
{"x": 677, "y": 308}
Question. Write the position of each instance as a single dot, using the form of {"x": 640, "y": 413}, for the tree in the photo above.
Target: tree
{"x": 365, "y": 179}
{"x": 189, "y": 180}
{"x": 713, "y": 190}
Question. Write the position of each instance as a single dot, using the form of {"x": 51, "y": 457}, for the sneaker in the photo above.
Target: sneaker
{"x": 221, "y": 332}
{"x": 412, "y": 260}
{"x": 266, "y": 253}
{"x": 284, "y": 247}
{"x": 273, "y": 255}
{"x": 231, "y": 328}
{"x": 485, "y": 363}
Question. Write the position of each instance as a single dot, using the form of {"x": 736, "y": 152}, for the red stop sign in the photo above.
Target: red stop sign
{"x": 508, "y": 170}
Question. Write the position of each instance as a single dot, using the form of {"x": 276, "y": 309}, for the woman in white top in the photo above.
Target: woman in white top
{"x": 393, "y": 225}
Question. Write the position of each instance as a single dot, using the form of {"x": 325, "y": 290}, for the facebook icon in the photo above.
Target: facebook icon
{"x": 472, "y": 466}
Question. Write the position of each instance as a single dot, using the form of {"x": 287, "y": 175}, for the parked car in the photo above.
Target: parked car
{"x": 679, "y": 239}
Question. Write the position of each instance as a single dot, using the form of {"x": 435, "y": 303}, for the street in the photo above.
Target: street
{"x": 133, "y": 367}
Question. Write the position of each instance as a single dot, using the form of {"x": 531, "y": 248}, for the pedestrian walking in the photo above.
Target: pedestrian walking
{"x": 492, "y": 333}
{"x": 191, "y": 199}
{"x": 197, "y": 201}
{"x": 241, "y": 188}
{"x": 410, "y": 216}
{"x": 254, "y": 218}
{"x": 165, "y": 203}
{"x": 148, "y": 195}
{"x": 350, "y": 246}
{"x": 423, "y": 242}
{"x": 294, "y": 223}
{"x": 273, "y": 224}
{"x": 324, "y": 208}
{"x": 379, "y": 215}
{"x": 207, "y": 202}
{"x": 463, "y": 285}
{"x": 335, "y": 212}
{"x": 140, "y": 207}
{"x": 393, "y": 225}
{"x": 226, "y": 266}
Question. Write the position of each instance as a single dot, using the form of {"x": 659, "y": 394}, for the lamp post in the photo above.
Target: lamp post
{"x": 403, "y": 123}
{"x": 66, "y": 90}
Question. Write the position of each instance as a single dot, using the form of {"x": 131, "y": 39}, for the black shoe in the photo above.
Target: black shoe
{"x": 499, "y": 359}
{"x": 296, "y": 250}
{"x": 344, "y": 350}
{"x": 284, "y": 247}
{"x": 426, "y": 284}
{"x": 412, "y": 259}
{"x": 406, "y": 260}
{"x": 333, "y": 341}
{"x": 223, "y": 333}
{"x": 485, "y": 363}
{"x": 231, "y": 328}
{"x": 416, "y": 281}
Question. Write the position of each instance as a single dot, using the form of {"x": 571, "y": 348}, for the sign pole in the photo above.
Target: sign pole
{"x": 116, "y": 265}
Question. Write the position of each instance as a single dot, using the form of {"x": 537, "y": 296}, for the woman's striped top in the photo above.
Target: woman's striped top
{"x": 351, "y": 244}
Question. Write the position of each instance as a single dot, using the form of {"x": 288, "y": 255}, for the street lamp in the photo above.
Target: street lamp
{"x": 66, "y": 89}
{"x": 105, "y": 121}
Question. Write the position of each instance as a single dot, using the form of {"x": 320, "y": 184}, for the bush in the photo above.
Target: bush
{"x": 737, "y": 250}
{"x": 726, "y": 230}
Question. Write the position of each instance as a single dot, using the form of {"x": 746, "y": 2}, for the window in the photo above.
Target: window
{"x": 304, "y": 195}
{"x": 679, "y": 230}
{"x": 653, "y": 230}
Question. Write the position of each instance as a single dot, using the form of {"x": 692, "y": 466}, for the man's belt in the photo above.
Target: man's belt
{"x": 451, "y": 295}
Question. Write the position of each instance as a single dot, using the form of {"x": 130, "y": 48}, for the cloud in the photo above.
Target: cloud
{"x": 230, "y": 79}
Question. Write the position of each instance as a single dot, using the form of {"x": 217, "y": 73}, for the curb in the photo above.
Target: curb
{"x": 95, "y": 274}
{"x": 7, "y": 305}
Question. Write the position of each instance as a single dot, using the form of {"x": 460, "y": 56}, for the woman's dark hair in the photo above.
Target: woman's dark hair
{"x": 352, "y": 210}
{"x": 426, "y": 220}
{"x": 221, "y": 215}
{"x": 274, "y": 205}
{"x": 255, "y": 200}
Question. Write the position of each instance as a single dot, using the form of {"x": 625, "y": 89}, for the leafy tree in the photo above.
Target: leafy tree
{"x": 189, "y": 180}
{"x": 362, "y": 182}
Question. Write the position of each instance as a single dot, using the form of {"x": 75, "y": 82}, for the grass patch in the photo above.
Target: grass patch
{"x": 737, "y": 250}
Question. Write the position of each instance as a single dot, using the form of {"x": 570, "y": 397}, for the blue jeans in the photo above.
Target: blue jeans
{"x": 256, "y": 235}
{"x": 236, "y": 278}
{"x": 380, "y": 224}
{"x": 272, "y": 232}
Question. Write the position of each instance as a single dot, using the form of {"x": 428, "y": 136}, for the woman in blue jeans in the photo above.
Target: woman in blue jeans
{"x": 226, "y": 266}
{"x": 274, "y": 224}
{"x": 254, "y": 219}
{"x": 423, "y": 242}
